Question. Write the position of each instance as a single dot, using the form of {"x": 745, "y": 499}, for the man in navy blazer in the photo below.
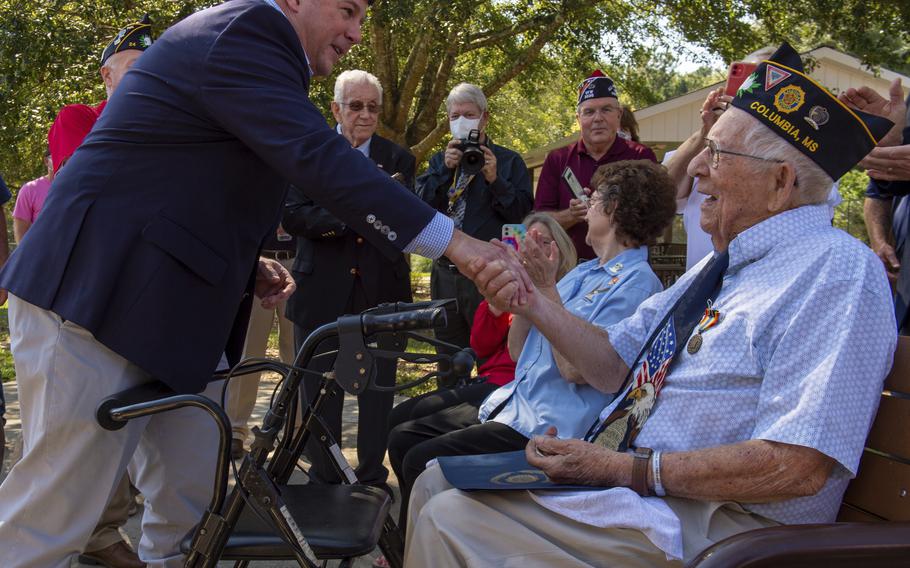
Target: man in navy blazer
{"x": 339, "y": 273}
{"x": 144, "y": 259}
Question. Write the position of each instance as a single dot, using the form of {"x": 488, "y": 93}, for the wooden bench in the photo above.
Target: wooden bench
{"x": 873, "y": 527}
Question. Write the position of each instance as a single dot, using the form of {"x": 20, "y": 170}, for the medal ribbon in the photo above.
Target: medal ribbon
{"x": 709, "y": 320}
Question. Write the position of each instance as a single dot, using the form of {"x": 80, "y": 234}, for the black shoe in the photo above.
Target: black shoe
{"x": 387, "y": 488}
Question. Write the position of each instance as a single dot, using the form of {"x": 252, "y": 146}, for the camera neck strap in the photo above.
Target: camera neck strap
{"x": 456, "y": 202}
{"x": 461, "y": 184}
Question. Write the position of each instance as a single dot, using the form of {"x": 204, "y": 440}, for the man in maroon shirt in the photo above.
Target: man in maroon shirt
{"x": 598, "y": 114}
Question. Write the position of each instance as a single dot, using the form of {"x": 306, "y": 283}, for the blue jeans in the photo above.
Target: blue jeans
{"x": 2, "y": 407}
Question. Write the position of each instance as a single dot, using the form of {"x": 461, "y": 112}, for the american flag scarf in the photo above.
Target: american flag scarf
{"x": 618, "y": 430}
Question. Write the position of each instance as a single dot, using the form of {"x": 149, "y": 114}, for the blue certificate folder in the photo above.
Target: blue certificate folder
{"x": 497, "y": 472}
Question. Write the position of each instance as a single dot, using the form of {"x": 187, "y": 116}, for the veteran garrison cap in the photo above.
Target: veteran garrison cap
{"x": 805, "y": 114}
{"x": 134, "y": 36}
{"x": 596, "y": 86}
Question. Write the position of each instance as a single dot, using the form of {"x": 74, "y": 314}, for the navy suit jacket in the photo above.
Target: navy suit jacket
{"x": 328, "y": 251}
{"x": 150, "y": 236}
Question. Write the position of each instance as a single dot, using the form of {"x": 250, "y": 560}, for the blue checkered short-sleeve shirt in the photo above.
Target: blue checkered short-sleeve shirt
{"x": 806, "y": 339}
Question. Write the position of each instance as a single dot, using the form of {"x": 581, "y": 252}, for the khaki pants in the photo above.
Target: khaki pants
{"x": 450, "y": 528}
{"x": 115, "y": 515}
{"x": 242, "y": 391}
{"x": 52, "y": 499}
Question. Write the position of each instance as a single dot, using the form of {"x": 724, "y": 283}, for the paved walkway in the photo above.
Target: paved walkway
{"x": 132, "y": 528}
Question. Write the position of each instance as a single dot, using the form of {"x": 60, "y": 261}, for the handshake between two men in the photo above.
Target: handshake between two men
{"x": 494, "y": 264}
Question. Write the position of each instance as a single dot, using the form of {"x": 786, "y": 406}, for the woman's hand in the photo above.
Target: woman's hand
{"x": 540, "y": 259}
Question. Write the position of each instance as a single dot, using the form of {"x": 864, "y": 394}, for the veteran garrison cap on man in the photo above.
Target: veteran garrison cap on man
{"x": 596, "y": 86}
{"x": 805, "y": 114}
{"x": 134, "y": 36}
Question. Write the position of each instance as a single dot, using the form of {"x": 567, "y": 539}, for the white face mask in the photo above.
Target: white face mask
{"x": 462, "y": 126}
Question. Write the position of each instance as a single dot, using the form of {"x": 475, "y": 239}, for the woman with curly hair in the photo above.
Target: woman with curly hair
{"x": 631, "y": 204}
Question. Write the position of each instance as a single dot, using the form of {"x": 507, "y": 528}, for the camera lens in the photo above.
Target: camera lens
{"x": 472, "y": 160}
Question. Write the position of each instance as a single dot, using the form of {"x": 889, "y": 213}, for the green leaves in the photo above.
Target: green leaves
{"x": 49, "y": 57}
{"x": 529, "y": 54}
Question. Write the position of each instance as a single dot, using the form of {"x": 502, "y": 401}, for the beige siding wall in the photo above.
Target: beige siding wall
{"x": 675, "y": 124}
{"x": 680, "y": 117}
{"x": 838, "y": 78}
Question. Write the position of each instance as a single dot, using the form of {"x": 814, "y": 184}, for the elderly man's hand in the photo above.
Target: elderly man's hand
{"x": 502, "y": 282}
{"x": 892, "y": 108}
{"x": 578, "y": 462}
{"x": 473, "y": 256}
{"x": 453, "y": 154}
{"x": 715, "y": 104}
{"x": 889, "y": 163}
{"x": 274, "y": 283}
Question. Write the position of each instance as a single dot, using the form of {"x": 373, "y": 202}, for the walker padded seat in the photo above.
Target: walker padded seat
{"x": 338, "y": 521}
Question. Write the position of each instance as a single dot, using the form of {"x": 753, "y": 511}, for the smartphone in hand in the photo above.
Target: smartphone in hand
{"x": 569, "y": 176}
{"x": 736, "y": 74}
{"x": 513, "y": 234}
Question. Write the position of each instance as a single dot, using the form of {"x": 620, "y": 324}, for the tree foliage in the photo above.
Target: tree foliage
{"x": 528, "y": 55}
{"x": 849, "y": 214}
{"x": 49, "y": 57}
{"x": 648, "y": 77}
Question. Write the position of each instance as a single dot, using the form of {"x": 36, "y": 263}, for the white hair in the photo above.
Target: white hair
{"x": 352, "y": 77}
{"x": 466, "y": 93}
{"x": 813, "y": 184}
{"x": 760, "y": 55}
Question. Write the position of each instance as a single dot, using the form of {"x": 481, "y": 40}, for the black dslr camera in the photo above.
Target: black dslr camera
{"x": 472, "y": 158}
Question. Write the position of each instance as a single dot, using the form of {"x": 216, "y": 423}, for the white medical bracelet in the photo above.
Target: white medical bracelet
{"x": 655, "y": 472}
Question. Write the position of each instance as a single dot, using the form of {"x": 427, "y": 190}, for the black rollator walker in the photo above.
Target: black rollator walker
{"x": 265, "y": 518}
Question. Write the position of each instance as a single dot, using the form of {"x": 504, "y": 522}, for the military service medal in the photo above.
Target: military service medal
{"x": 711, "y": 318}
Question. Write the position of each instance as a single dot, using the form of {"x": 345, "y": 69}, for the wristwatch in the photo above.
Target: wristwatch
{"x": 640, "y": 471}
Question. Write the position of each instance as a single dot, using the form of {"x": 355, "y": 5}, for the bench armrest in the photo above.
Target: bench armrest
{"x": 830, "y": 545}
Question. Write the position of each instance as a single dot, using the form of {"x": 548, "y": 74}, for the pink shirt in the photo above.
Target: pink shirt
{"x": 31, "y": 199}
